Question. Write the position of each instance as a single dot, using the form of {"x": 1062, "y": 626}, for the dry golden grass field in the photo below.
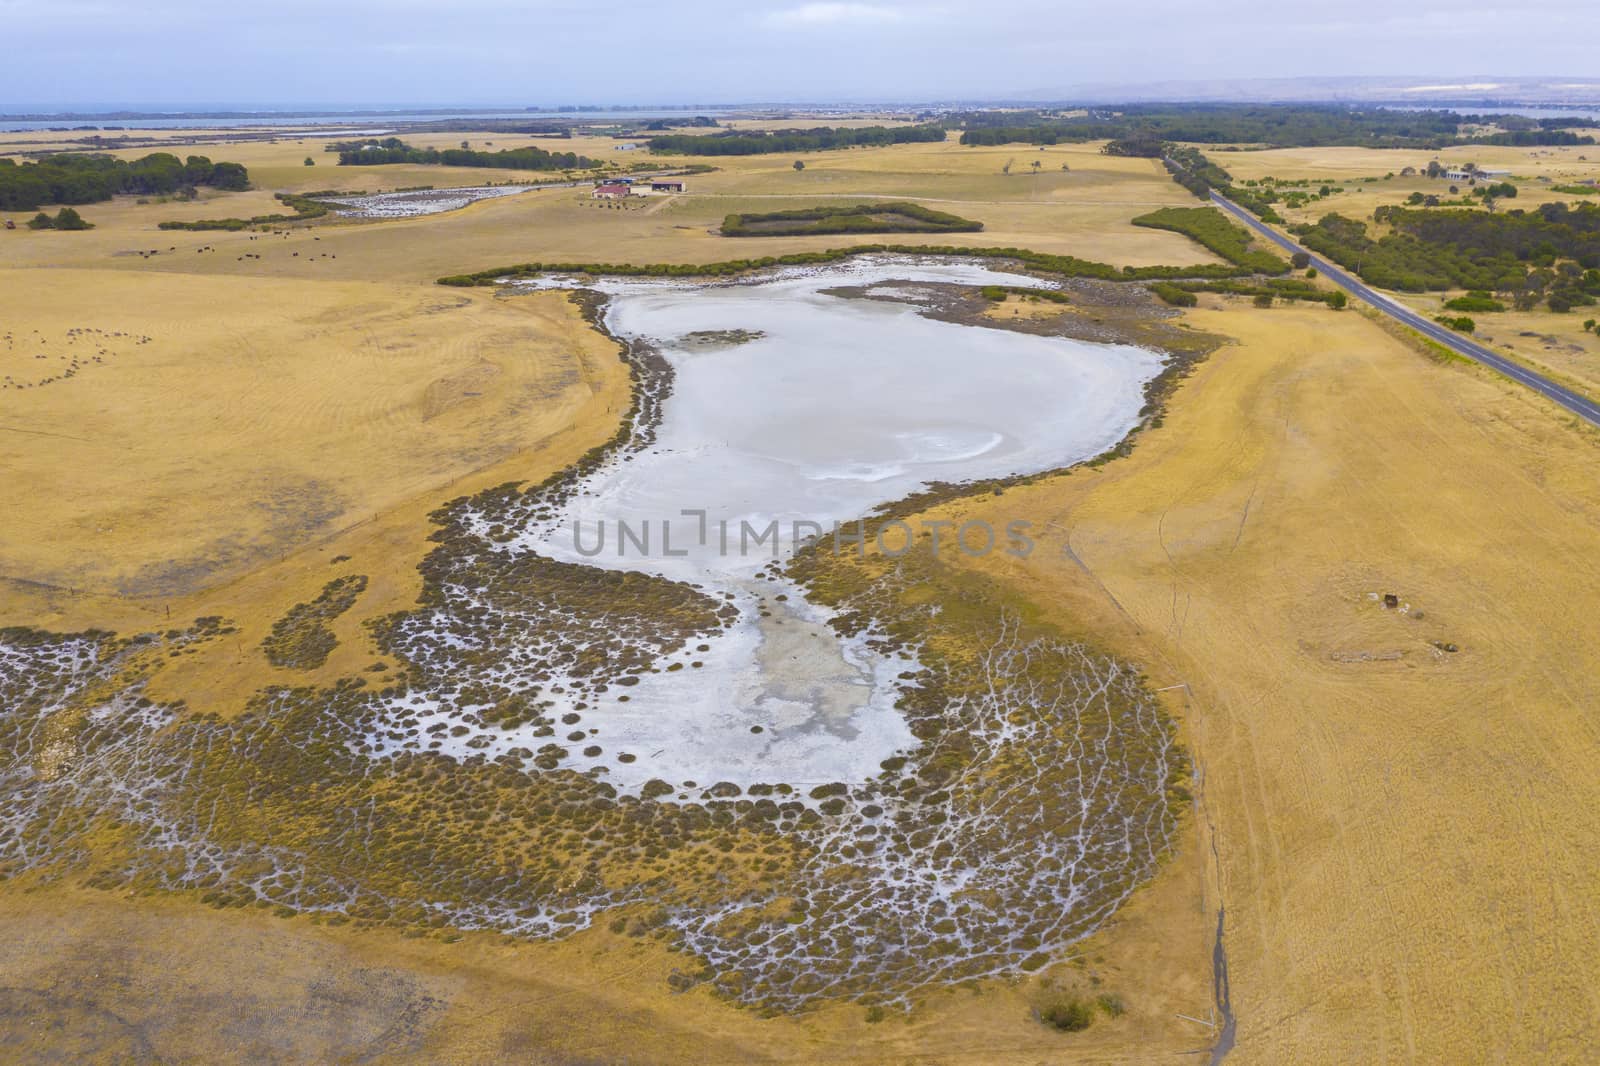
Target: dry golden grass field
{"x": 1406, "y": 839}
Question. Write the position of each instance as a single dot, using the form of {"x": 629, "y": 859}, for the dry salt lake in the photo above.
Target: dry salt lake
{"x": 795, "y": 403}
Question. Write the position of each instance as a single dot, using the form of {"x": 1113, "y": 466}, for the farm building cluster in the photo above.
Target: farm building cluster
{"x": 619, "y": 188}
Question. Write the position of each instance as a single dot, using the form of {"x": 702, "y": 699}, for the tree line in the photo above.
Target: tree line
{"x": 817, "y": 139}
{"x": 1190, "y": 168}
{"x": 1550, "y": 254}
{"x": 371, "y": 153}
{"x": 1277, "y": 125}
{"x": 73, "y": 178}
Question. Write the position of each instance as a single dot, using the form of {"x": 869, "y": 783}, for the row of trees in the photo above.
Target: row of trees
{"x": 393, "y": 150}
{"x": 817, "y": 139}
{"x": 72, "y": 178}
{"x": 1280, "y": 125}
{"x": 1190, "y": 168}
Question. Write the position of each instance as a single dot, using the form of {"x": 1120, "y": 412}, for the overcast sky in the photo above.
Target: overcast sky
{"x": 188, "y": 53}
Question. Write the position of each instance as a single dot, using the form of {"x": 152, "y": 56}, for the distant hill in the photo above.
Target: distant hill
{"x": 1467, "y": 90}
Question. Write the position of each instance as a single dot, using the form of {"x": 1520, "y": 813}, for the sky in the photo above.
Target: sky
{"x": 101, "y": 54}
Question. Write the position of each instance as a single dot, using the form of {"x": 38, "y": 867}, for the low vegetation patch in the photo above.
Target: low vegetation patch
{"x": 998, "y": 294}
{"x": 1068, "y": 1014}
{"x": 1211, "y": 228}
{"x": 858, "y": 218}
{"x": 301, "y": 639}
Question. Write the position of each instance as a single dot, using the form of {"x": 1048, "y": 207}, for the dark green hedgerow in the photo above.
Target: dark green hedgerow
{"x": 1280, "y": 288}
{"x": 894, "y": 217}
{"x": 1209, "y": 227}
{"x": 304, "y": 208}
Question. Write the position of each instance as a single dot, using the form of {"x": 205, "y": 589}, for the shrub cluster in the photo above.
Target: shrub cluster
{"x": 66, "y": 218}
{"x": 1476, "y": 301}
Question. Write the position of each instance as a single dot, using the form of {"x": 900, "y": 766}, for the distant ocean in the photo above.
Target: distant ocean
{"x": 364, "y": 119}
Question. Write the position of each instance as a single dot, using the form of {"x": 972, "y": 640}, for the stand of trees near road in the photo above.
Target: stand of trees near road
{"x": 71, "y": 178}
{"x": 1213, "y": 229}
{"x": 1551, "y": 254}
{"x": 1191, "y": 169}
{"x": 1281, "y": 125}
{"x": 372, "y": 153}
{"x": 818, "y": 139}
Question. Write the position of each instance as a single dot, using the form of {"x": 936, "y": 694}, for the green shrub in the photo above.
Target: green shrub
{"x": 1067, "y": 1014}
{"x": 69, "y": 219}
{"x": 1174, "y": 295}
{"x": 1462, "y": 324}
{"x": 1474, "y": 301}
{"x": 66, "y": 219}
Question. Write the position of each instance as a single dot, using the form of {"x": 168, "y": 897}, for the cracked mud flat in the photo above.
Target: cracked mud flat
{"x": 808, "y": 776}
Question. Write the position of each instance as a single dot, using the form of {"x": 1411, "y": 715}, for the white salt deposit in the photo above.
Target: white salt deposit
{"x": 840, "y": 405}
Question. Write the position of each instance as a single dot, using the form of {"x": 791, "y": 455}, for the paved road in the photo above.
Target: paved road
{"x": 1579, "y": 405}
